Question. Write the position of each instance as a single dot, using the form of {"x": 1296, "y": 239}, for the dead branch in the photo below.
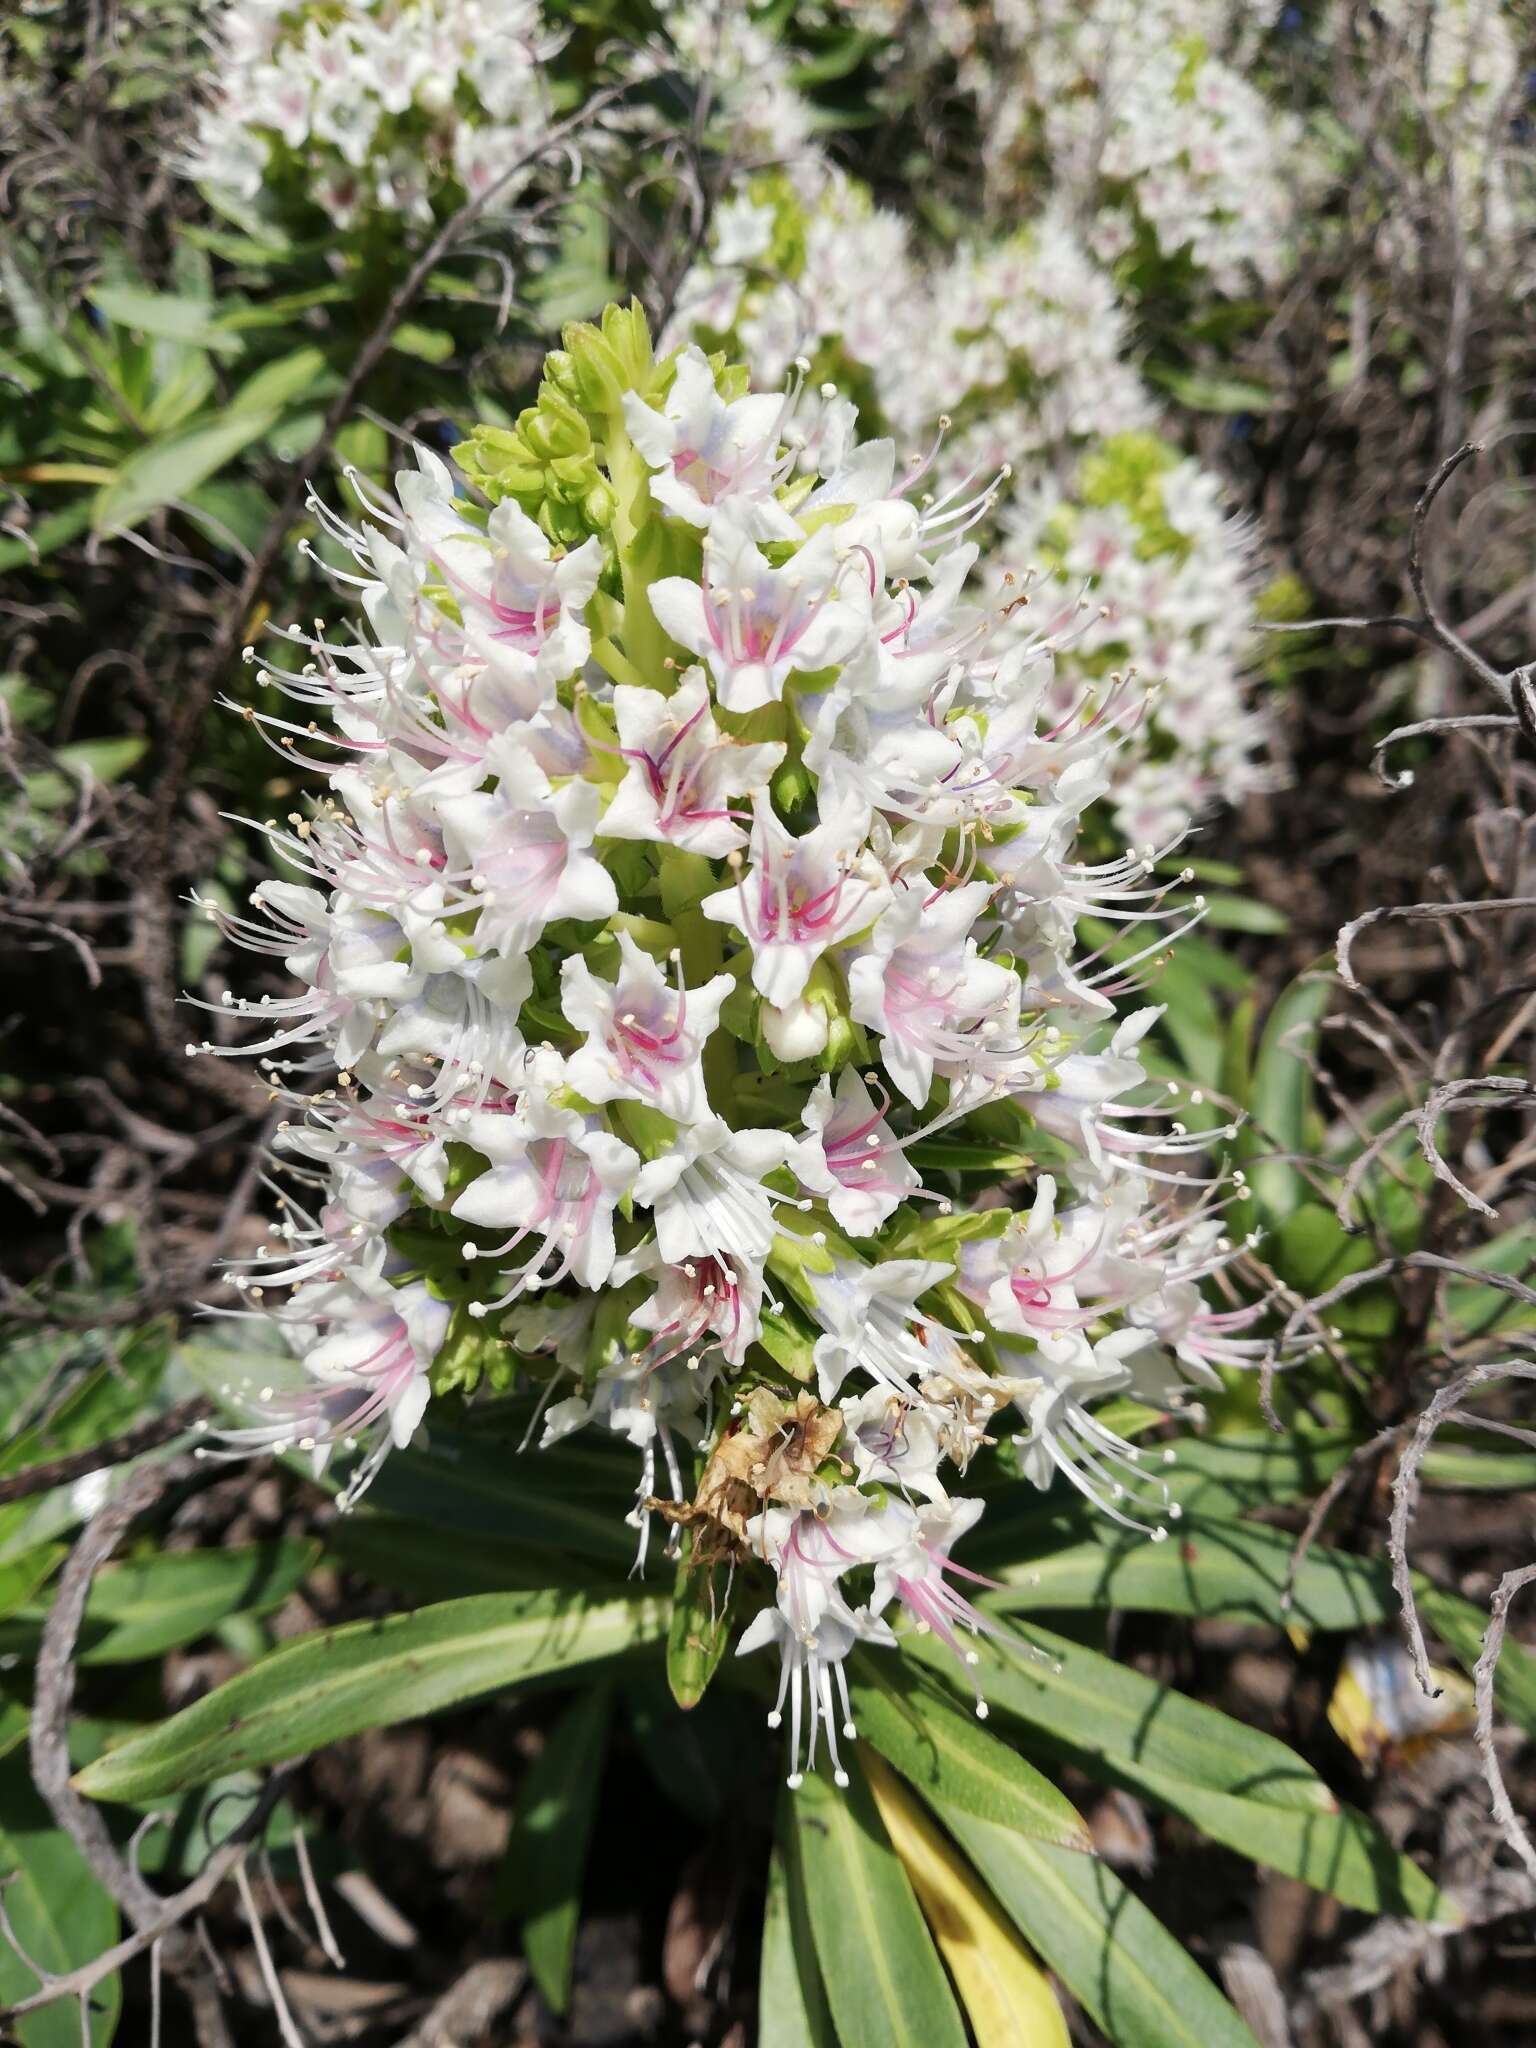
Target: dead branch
{"x": 160, "y": 1924}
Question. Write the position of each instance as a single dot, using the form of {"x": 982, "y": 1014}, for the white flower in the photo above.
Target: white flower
{"x": 871, "y": 1323}
{"x": 852, "y": 1156}
{"x": 754, "y": 625}
{"x": 920, "y": 980}
{"x": 556, "y": 1193}
{"x": 526, "y": 847}
{"x": 708, "y": 452}
{"x": 683, "y": 773}
{"x": 798, "y": 897}
{"x": 645, "y": 1034}
{"x": 707, "y": 1192}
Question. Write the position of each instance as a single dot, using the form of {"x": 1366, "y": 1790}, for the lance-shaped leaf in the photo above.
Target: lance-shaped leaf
{"x": 883, "y": 1977}
{"x": 540, "y": 1878}
{"x": 1088, "y": 1707}
{"x": 700, "y": 1627}
{"x": 1280, "y": 1093}
{"x": 1142, "y": 1988}
{"x": 365, "y": 1675}
{"x": 61, "y": 1915}
{"x": 791, "y": 2004}
{"x": 150, "y": 1605}
{"x": 1343, "y": 1853}
{"x": 1215, "y": 1567}
{"x": 1007, "y": 1997}
{"x": 915, "y": 1724}
{"x": 1239, "y": 1786}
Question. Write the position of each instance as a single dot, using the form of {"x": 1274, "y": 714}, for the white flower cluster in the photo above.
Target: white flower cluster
{"x": 1024, "y": 335}
{"x": 1021, "y": 348}
{"x": 1123, "y": 111}
{"x": 371, "y": 106}
{"x": 1168, "y": 574}
{"x": 746, "y": 71}
{"x": 695, "y": 887}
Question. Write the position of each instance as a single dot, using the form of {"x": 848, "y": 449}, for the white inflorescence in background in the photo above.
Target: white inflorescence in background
{"x": 371, "y": 106}
{"x": 693, "y": 906}
{"x": 1021, "y": 346}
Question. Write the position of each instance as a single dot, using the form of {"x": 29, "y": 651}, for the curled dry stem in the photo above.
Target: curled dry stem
{"x": 159, "y": 1922}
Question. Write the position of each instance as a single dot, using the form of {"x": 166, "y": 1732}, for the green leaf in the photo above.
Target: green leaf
{"x": 563, "y": 1500}
{"x": 1240, "y": 1568}
{"x": 912, "y": 1720}
{"x": 62, "y": 1916}
{"x": 1140, "y": 1986}
{"x": 21, "y": 1577}
{"x": 104, "y": 1399}
{"x": 1460, "y": 1626}
{"x": 700, "y": 1627}
{"x": 106, "y": 760}
{"x": 1241, "y": 1787}
{"x": 540, "y": 1878}
{"x": 1311, "y": 1252}
{"x": 791, "y": 2004}
{"x": 1207, "y": 1567}
{"x": 143, "y": 1608}
{"x": 172, "y": 467}
{"x": 1280, "y": 1096}
{"x": 1227, "y": 913}
{"x": 167, "y": 315}
{"x": 1203, "y": 393}
{"x": 1343, "y": 1853}
{"x": 368, "y": 1674}
{"x": 957, "y": 1155}
{"x": 230, "y": 510}
{"x": 446, "y": 1564}
{"x": 427, "y": 344}
{"x": 884, "y": 1981}
{"x": 53, "y": 530}
{"x": 1090, "y": 1709}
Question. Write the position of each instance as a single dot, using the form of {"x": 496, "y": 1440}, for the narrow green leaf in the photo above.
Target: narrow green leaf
{"x": 104, "y": 760}
{"x": 1240, "y": 1568}
{"x": 21, "y": 1577}
{"x": 913, "y": 1721}
{"x": 700, "y": 1627}
{"x": 281, "y": 383}
{"x": 1087, "y": 1707}
{"x": 540, "y": 1878}
{"x": 447, "y": 1564}
{"x": 1244, "y": 914}
{"x": 1204, "y": 393}
{"x": 173, "y": 466}
{"x": 1343, "y": 1853}
{"x": 368, "y": 1674}
{"x": 1460, "y": 1626}
{"x": 62, "y": 1916}
{"x": 104, "y": 1398}
{"x": 558, "y": 1502}
{"x": 791, "y": 2004}
{"x": 429, "y": 344}
{"x": 1207, "y": 1567}
{"x": 53, "y": 530}
{"x": 165, "y": 314}
{"x": 1280, "y": 1096}
{"x": 884, "y": 1981}
{"x": 147, "y": 1606}
{"x": 1141, "y": 1987}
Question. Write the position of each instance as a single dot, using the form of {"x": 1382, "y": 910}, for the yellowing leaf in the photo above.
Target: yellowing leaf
{"x": 1006, "y": 1994}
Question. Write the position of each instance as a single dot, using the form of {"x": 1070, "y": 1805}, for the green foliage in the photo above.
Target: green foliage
{"x": 365, "y": 1675}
